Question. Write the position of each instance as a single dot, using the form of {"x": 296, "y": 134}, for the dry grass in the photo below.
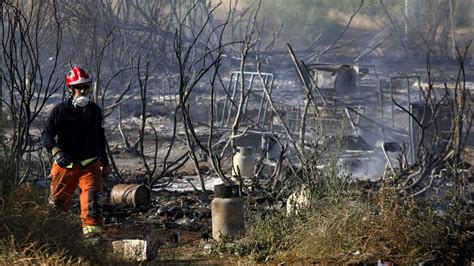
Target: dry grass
{"x": 354, "y": 230}
{"x": 32, "y": 233}
{"x": 344, "y": 225}
{"x": 14, "y": 253}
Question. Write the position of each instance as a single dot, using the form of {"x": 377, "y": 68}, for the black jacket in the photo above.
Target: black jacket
{"x": 79, "y": 131}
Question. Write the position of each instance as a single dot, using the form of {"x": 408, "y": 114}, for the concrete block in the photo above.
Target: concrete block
{"x": 132, "y": 249}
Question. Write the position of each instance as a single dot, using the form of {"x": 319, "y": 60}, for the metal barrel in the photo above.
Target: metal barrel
{"x": 225, "y": 191}
{"x": 227, "y": 211}
{"x": 134, "y": 194}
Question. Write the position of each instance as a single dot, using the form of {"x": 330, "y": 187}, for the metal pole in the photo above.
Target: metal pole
{"x": 267, "y": 102}
{"x": 246, "y": 100}
{"x": 453, "y": 37}
{"x": 381, "y": 104}
{"x": 1, "y": 99}
{"x": 232, "y": 98}
{"x": 410, "y": 123}
{"x": 351, "y": 122}
{"x": 391, "y": 103}
{"x": 262, "y": 103}
{"x": 406, "y": 21}
{"x": 161, "y": 90}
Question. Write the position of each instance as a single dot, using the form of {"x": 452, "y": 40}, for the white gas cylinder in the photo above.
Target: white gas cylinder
{"x": 243, "y": 163}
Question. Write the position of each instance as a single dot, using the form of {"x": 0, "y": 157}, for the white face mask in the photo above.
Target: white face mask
{"x": 80, "y": 101}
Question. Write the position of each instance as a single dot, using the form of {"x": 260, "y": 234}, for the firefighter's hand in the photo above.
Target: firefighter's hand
{"x": 106, "y": 171}
{"x": 62, "y": 159}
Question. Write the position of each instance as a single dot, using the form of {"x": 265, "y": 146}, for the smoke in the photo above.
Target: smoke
{"x": 371, "y": 169}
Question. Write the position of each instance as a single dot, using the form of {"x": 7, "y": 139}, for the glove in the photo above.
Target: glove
{"x": 62, "y": 159}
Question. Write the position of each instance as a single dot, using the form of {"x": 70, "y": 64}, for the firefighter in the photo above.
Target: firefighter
{"x": 74, "y": 135}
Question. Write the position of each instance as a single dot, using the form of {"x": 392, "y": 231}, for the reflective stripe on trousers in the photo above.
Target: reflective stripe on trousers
{"x": 64, "y": 182}
{"x": 92, "y": 230}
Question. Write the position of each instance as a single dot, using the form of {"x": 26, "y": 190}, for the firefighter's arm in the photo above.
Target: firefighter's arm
{"x": 48, "y": 134}
{"x": 49, "y": 131}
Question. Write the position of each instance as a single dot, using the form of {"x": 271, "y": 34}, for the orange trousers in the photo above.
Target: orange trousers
{"x": 64, "y": 182}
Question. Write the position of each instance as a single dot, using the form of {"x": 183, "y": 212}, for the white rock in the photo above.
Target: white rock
{"x": 298, "y": 201}
{"x": 131, "y": 249}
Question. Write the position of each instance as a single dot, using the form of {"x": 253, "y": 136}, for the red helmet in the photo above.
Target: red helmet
{"x": 77, "y": 76}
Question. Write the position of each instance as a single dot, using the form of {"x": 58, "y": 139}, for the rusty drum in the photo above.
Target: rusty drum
{"x": 133, "y": 194}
